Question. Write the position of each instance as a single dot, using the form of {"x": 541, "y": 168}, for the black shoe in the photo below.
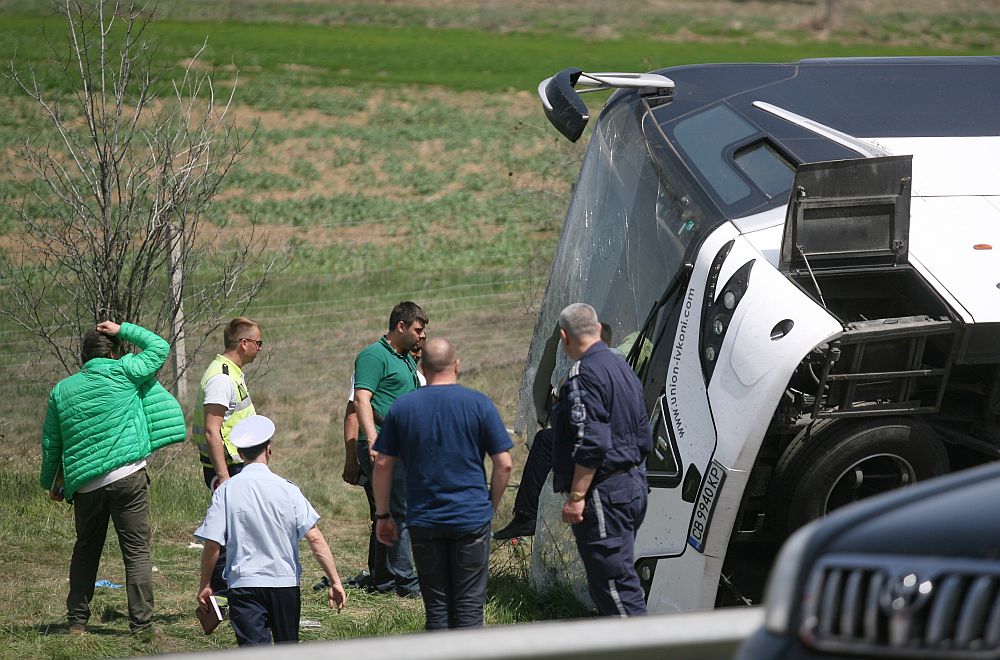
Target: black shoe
{"x": 360, "y": 581}
{"x": 520, "y": 526}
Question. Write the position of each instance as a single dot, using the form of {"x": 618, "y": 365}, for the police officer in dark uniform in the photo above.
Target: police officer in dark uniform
{"x": 602, "y": 437}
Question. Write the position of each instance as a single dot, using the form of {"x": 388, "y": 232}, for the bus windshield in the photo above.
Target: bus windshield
{"x": 629, "y": 227}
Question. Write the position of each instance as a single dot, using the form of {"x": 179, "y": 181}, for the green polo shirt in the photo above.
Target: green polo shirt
{"x": 386, "y": 374}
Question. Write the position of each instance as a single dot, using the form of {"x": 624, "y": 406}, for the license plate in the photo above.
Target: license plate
{"x": 704, "y": 506}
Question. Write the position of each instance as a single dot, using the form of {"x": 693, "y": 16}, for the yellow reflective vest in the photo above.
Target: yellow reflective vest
{"x": 240, "y": 406}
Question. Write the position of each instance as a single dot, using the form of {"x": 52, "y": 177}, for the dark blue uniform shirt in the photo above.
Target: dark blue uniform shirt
{"x": 600, "y": 421}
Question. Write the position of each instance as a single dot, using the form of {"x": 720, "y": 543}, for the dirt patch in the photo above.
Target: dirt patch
{"x": 320, "y": 237}
{"x": 344, "y": 165}
{"x": 302, "y": 68}
{"x": 204, "y": 67}
{"x": 247, "y": 117}
{"x": 331, "y": 161}
{"x": 21, "y": 245}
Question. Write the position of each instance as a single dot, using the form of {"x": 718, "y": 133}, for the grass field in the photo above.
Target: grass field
{"x": 400, "y": 153}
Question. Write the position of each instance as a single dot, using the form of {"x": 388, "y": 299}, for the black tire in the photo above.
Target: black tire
{"x": 843, "y": 461}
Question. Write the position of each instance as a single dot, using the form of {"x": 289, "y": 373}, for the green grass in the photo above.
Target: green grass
{"x": 400, "y": 154}
{"x": 39, "y": 536}
{"x": 462, "y": 59}
{"x": 917, "y": 23}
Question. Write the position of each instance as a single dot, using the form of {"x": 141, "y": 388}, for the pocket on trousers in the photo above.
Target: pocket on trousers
{"x": 625, "y": 491}
{"x": 606, "y": 560}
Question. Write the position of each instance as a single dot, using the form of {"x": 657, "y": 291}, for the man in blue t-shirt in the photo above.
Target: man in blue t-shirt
{"x": 443, "y": 433}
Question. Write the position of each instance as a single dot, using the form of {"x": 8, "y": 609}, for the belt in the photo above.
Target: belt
{"x": 605, "y": 477}
{"x": 614, "y": 473}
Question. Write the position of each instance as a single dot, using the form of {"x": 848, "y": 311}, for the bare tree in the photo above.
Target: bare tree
{"x": 121, "y": 182}
{"x": 829, "y": 14}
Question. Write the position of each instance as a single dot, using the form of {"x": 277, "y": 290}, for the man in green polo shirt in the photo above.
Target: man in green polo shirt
{"x": 384, "y": 371}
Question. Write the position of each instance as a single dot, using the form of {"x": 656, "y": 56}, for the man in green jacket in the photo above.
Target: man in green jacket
{"x": 101, "y": 425}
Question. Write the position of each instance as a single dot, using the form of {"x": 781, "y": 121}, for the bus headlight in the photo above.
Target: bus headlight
{"x": 717, "y": 313}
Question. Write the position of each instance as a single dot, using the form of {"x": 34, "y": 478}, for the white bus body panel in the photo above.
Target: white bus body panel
{"x": 664, "y": 532}
{"x": 954, "y": 207}
{"x": 943, "y": 234}
{"x": 725, "y": 423}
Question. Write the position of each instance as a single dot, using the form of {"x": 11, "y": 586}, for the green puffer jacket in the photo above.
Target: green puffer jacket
{"x": 111, "y": 413}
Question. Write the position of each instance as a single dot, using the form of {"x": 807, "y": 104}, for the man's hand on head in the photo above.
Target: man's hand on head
{"x": 109, "y": 328}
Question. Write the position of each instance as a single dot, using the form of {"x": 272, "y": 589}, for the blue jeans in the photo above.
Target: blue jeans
{"x": 453, "y": 569}
{"x": 390, "y": 566}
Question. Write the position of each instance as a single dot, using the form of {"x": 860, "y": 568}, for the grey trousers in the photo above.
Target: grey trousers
{"x": 126, "y": 502}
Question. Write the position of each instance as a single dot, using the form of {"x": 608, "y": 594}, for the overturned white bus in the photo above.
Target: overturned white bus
{"x": 802, "y": 262}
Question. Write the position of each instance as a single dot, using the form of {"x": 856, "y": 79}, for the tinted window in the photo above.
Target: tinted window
{"x": 663, "y": 464}
{"x": 767, "y": 168}
{"x": 704, "y": 138}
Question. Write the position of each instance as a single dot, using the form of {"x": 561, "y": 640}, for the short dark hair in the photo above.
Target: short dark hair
{"x": 234, "y": 331}
{"x": 407, "y": 312}
{"x": 250, "y": 453}
{"x": 99, "y": 345}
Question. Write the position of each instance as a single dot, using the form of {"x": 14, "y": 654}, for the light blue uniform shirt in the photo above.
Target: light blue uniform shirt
{"x": 260, "y": 519}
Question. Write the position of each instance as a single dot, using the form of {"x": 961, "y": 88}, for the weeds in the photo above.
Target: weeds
{"x": 399, "y": 162}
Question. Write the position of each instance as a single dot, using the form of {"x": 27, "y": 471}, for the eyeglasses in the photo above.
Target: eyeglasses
{"x": 259, "y": 342}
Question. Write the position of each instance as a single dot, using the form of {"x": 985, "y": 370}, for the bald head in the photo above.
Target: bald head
{"x": 439, "y": 356}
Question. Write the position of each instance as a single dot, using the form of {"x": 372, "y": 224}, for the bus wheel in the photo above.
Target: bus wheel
{"x": 849, "y": 461}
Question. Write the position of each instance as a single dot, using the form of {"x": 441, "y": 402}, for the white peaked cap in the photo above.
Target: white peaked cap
{"x": 251, "y": 431}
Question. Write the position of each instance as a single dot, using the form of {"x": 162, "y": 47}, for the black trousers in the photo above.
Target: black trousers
{"x": 218, "y": 583}
{"x": 536, "y": 471}
{"x": 258, "y": 613}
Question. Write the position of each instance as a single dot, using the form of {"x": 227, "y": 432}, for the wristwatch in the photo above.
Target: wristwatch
{"x": 382, "y": 516}
{"x": 576, "y": 496}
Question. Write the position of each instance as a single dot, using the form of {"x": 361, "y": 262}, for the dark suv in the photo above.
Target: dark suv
{"x": 911, "y": 574}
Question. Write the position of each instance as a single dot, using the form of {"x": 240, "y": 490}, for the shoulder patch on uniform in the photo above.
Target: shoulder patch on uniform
{"x": 574, "y": 370}
{"x": 225, "y": 369}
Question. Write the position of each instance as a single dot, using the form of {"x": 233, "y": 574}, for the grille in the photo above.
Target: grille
{"x": 903, "y": 607}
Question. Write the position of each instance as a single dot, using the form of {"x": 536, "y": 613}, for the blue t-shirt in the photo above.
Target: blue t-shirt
{"x": 443, "y": 433}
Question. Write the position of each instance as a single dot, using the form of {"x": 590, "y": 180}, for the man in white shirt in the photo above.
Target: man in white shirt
{"x": 260, "y": 519}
